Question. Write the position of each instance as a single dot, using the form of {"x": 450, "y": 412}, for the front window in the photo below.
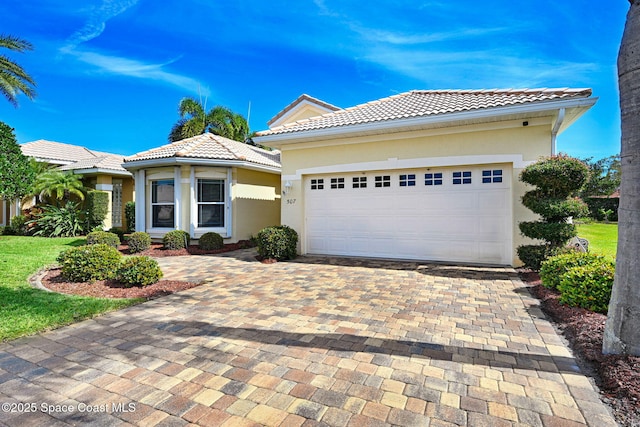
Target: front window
{"x": 162, "y": 204}
{"x": 210, "y": 203}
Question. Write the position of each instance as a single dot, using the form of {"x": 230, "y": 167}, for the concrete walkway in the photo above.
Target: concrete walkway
{"x": 318, "y": 341}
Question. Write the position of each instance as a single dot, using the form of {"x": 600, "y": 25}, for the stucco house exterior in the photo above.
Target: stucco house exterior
{"x": 425, "y": 174}
{"x": 98, "y": 170}
{"x": 206, "y": 183}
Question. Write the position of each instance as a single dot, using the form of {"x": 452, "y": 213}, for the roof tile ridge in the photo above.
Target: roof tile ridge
{"x": 224, "y": 143}
{"x": 190, "y": 144}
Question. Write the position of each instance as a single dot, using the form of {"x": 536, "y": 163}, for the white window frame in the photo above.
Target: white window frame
{"x": 221, "y": 203}
{"x": 152, "y": 203}
{"x": 214, "y": 174}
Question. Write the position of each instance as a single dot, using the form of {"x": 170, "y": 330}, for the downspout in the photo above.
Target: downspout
{"x": 555, "y": 129}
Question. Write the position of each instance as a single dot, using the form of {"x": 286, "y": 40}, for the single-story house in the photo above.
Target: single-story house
{"x": 98, "y": 170}
{"x": 425, "y": 174}
{"x": 206, "y": 183}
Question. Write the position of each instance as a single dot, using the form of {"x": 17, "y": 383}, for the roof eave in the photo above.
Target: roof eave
{"x": 173, "y": 161}
{"x": 89, "y": 171}
{"x": 401, "y": 124}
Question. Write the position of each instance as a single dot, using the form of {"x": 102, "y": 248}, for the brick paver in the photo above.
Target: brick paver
{"x": 320, "y": 340}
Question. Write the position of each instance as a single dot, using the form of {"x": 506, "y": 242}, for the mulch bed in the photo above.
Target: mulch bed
{"x": 157, "y": 251}
{"x": 618, "y": 377}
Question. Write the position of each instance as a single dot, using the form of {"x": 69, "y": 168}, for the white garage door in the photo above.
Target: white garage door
{"x": 460, "y": 214}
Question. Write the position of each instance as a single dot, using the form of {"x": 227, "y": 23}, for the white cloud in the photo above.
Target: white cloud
{"x": 134, "y": 68}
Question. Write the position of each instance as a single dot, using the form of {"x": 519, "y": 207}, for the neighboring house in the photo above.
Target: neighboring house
{"x": 206, "y": 183}
{"x": 99, "y": 171}
{"x": 427, "y": 175}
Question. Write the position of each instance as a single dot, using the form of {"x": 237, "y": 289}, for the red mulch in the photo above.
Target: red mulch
{"x": 157, "y": 251}
{"x": 617, "y": 376}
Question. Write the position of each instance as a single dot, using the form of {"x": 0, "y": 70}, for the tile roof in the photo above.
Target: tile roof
{"x": 211, "y": 147}
{"x": 422, "y": 103}
{"x": 301, "y": 98}
{"x": 73, "y": 157}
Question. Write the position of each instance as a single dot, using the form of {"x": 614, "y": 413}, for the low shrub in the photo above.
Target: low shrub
{"x": 588, "y": 286}
{"x": 89, "y": 263}
{"x": 176, "y": 239}
{"x": 210, "y": 241}
{"x": 130, "y": 216}
{"x": 277, "y": 242}
{"x": 118, "y": 232}
{"x": 103, "y": 237}
{"x": 532, "y": 256}
{"x": 553, "y": 269}
{"x": 138, "y": 242}
{"x": 54, "y": 221}
{"x": 18, "y": 225}
{"x": 138, "y": 271}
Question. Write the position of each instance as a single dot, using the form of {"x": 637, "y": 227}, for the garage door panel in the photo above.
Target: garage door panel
{"x": 464, "y": 223}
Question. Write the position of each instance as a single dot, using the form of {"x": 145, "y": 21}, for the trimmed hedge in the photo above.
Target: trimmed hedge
{"x": 277, "y": 242}
{"x": 18, "y": 225}
{"x": 176, "y": 239}
{"x": 96, "y": 206}
{"x": 588, "y": 286}
{"x": 210, "y": 241}
{"x": 138, "y": 242}
{"x": 138, "y": 271}
{"x": 534, "y": 255}
{"x": 89, "y": 263}
{"x": 553, "y": 269}
{"x": 103, "y": 237}
{"x": 130, "y": 216}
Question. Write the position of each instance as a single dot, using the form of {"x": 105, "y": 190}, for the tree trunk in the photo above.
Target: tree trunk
{"x": 622, "y": 331}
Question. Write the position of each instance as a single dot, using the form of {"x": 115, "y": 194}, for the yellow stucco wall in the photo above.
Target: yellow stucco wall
{"x": 488, "y": 143}
{"x": 255, "y": 199}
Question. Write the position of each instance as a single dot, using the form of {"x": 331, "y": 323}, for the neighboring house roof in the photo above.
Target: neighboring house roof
{"x": 302, "y": 99}
{"x": 207, "y": 147}
{"x": 74, "y": 157}
{"x": 424, "y": 103}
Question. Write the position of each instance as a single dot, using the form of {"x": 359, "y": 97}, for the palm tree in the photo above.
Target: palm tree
{"x": 56, "y": 185}
{"x": 195, "y": 120}
{"x": 622, "y": 330}
{"x": 13, "y": 79}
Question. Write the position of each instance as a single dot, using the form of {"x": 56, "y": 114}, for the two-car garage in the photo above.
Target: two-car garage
{"x": 460, "y": 214}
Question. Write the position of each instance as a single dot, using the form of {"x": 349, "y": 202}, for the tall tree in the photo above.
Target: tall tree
{"x": 622, "y": 330}
{"x": 195, "y": 120}
{"x": 13, "y": 79}
{"x": 16, "y": 171}
{"x": 604, "y": 176}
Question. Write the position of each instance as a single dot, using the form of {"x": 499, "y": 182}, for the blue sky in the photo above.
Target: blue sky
{"x": 111, "y": 73}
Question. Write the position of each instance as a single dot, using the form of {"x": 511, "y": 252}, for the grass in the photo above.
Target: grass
{"x": 602, "y": 237}
{"x": 25, "y": 310}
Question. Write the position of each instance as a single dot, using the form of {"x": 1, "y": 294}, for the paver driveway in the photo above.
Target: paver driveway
{"x": 319, "y": 341}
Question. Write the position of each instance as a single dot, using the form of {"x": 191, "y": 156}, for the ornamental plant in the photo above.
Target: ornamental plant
{"x": 103, "y": 237}
{"x": 557, "y": 179}
{"x": 176, "y": 239}
{"x": 554, "y": 268}
{"x": 138, "y": 242}
{"x": 138, "y": 271}
{"x": 277, "y": 242}
{"x": 588, "y": 286}
{"x": 209, "y": 241}
{"x": 89, "y": 263}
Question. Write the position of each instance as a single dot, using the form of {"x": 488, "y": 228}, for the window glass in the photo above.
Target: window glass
{"x": 211, "y": 202}
{"x": 162, "y": 203}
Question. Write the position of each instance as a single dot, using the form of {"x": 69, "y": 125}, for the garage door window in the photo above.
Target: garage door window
{"x": 359, "y": 182}
{"x": 337, "y": 183}
{"x": 492, "y": 176}
{"x": 383, "y": 181}
{"x": 433, "y": 178}
{"x": 462, "y": 177}
{"x": 408, "y": 180}
{"x": 317, "y": 184}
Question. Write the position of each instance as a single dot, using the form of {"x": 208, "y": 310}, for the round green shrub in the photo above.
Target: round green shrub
{"x": 103, "y": 237}
{"x": 588, "y": 286}
{"x": 554, "y": 209}
{"x": 139, "y": 271}
{"x": 210, "y": 241}
{"x": 176, "y": 239}
{"x": 138, "y": 242}
{"x": 18, "y": 225}
{"x": 532, "y": 256}
{"x": 118, "y": 232}
{"x": 555, "y": 233}
{"x": 557, "y": 176}
{"x": 89, "y": 263}
{"x": 553, "y": 269}
{"x": 277, "y": 242}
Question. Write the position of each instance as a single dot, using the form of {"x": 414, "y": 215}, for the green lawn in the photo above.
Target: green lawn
{"x": 602, "y": 237}
{"x": 25, "y": 310}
